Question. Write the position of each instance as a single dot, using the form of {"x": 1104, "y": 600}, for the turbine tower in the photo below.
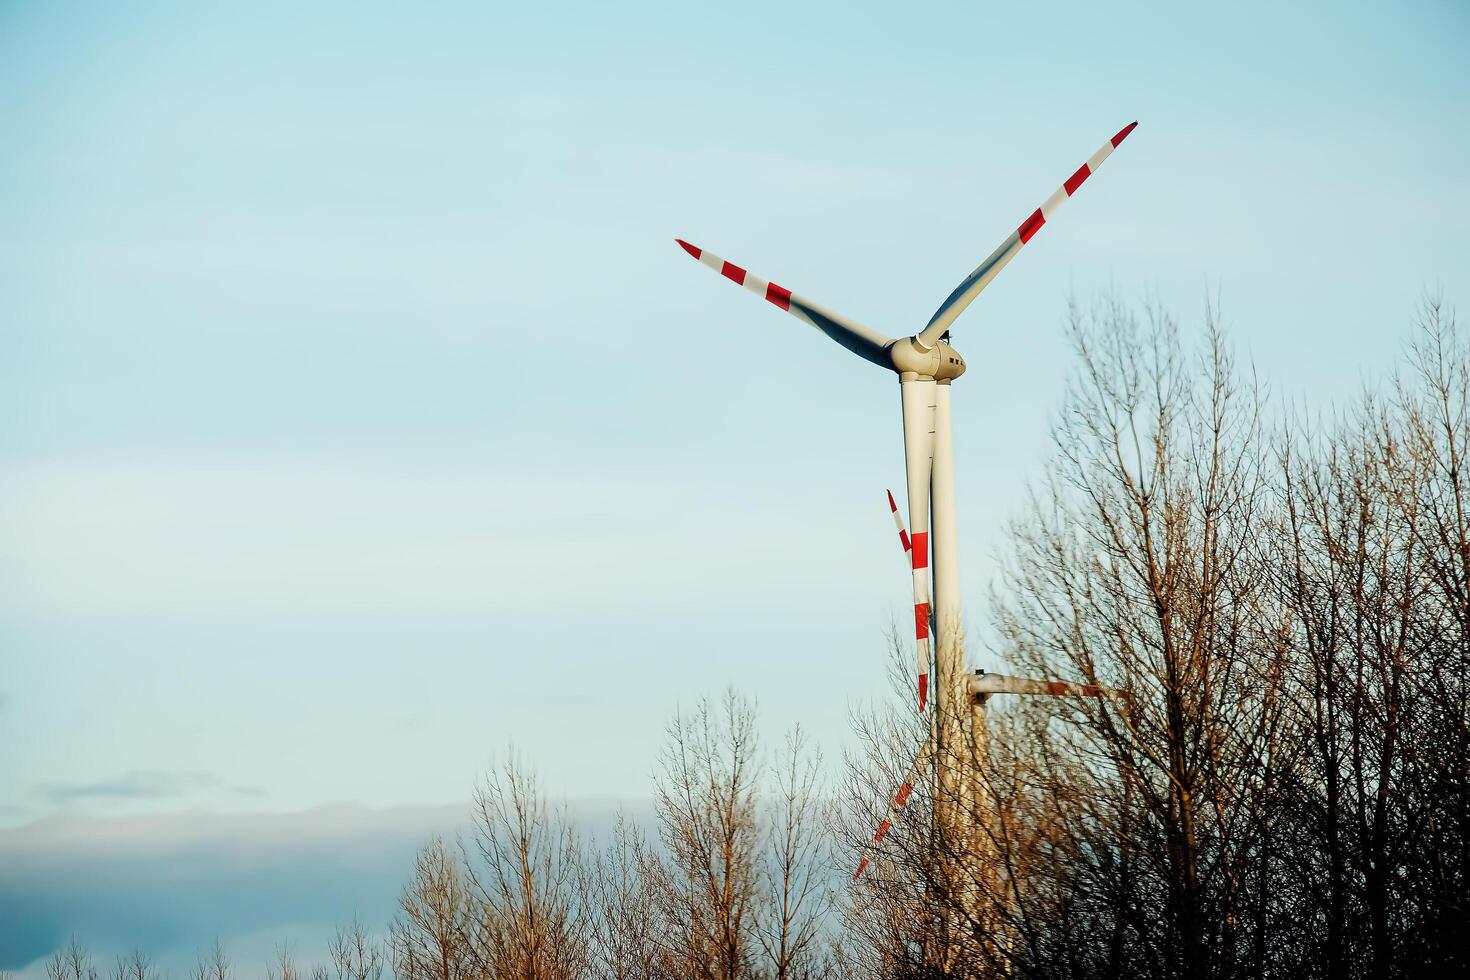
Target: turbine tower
{"x": 927, "y": 365}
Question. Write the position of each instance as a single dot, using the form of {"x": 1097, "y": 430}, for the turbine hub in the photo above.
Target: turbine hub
{"x": 940, "y": 362}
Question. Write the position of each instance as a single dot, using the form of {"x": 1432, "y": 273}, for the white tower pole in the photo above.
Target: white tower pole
{"x": 952, "y": 694}
{"x": 960, "y": 731}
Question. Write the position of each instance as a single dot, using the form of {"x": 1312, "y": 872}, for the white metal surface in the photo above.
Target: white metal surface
{"x": 918, "y": 448}
{"x": 986, "y": 271}
{"x": 952, "y": 696}
{"x": 987, "y": 684}
{"x": 862, "y": 340}
{"x": 944, "y": 540}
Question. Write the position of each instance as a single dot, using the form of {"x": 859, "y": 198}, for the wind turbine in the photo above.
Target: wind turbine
{"x": 926, "y": 365}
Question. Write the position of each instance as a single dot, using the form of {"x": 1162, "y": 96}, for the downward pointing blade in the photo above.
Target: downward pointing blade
{"x": 862, "y": 340}
{"x": 918, "y": 448}
{"x": 965, "y": 293}
{"x": 908, "y": 546}
{"x": 900, "y": 798}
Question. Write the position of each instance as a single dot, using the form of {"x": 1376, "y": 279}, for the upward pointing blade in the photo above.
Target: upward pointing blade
{"x": 986, "y": 271}
{"x": 863, "y": 341}
{"x": 903, "y": 535}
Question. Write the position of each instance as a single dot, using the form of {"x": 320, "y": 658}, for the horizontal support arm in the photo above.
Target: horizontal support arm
{"x": 985, "y": 684}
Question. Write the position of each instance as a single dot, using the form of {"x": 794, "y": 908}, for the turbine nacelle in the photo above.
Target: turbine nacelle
{"x": 940, "y": 362}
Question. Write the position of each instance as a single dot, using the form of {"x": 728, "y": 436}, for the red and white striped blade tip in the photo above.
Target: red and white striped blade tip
{"x": 903, "y": 535}
{"x": 1123, "y": 133}
{"x": 862, "y": 865}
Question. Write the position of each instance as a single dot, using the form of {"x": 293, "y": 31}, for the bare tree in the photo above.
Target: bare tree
{"x": 622, "y": 924}
{"x": 355, "y": 955}
{"x": 527, "y": 882}
{"x": 1353, "y": 590}
{"x": 431, "y": 938}
{"x": 214, "y": 964}
{"x": 134, "y": 966}
{"x": 1139, "y": 568}
{"x": 1373, "y": 571}
{"x": 71, "y": 962}
{"x": 706, "y": 881}
{"x": 284, "y": 967}
{"x": 1432, "y": 900}
{"x": 797, "y": 897}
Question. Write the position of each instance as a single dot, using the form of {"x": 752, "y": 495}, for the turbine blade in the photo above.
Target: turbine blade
{"x": 903, "y": 535}
{"x": 986, "y": 271}
{"x": 900, "y": 798}
{"x": 862, "y": 340}
{"x": 1004, "y": 684}
{"x": 918, "y": 449}
{"x": 908, "y": 548}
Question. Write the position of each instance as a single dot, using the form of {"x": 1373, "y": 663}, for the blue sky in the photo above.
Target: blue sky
{"x": 359, "y": 416}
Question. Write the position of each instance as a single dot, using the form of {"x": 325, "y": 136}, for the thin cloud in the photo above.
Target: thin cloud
{"x": 168, "y": 884}
{"x": 142, "y": 784}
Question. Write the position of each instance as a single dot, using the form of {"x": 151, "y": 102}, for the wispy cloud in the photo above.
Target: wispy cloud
{"x": 169, "y": 884}
{"x": 143, "y": 784}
